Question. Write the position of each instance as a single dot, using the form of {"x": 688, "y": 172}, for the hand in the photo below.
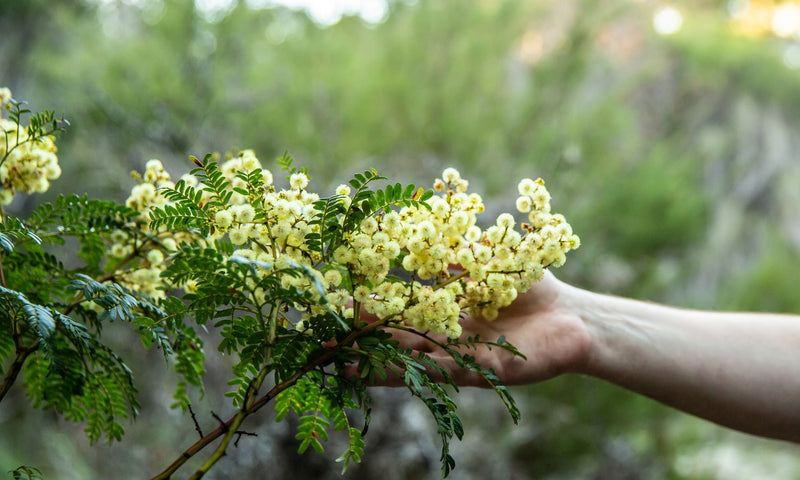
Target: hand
{"x": 541, "y": 323}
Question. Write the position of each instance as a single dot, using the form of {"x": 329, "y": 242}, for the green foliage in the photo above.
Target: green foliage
{"x": 52, "y": 315}
{"x": 441, "y": 407}
{"x": 467, "y": 361}
{"x": 25, "y": 472}
{"x": 214, "y": 181}
{"x": 764, "y": 287}
{"x": 38, "y": 318}
{"x": 173, "y": 217}
{"x": 70, "y": 369}
{"x": 320, "y": 403}
{"x": 15, "y": 231}
{"x": 84, "y": 380}
{"x": 7, "y": 346}
{"x": 40, "y": 124}
{"x": 285, "y": 162}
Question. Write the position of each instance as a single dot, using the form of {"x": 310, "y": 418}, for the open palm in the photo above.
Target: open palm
{"x": 539, "y": 323}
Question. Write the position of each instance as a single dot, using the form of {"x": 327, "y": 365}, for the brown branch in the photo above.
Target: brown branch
{"x": 21, "y": 350}
{"x": 2, "y": 273}
{"x": 16, "y": 367}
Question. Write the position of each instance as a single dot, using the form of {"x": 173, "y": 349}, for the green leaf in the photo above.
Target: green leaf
{"x": 78, "y": 215}
{"x": 25, "y": 472}
{"x": 311, "y": 432}
{"x": 40, "y": 319}
{"x": 355, "y": 449}
{"x": 426, "y": 196}
{"x": 6, "y": 243}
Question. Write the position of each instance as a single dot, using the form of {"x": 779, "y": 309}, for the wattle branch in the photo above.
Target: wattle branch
{"x": 22, "y": 355}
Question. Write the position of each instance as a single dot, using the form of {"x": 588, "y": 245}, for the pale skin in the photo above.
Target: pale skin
{"x": 740, "y": 370}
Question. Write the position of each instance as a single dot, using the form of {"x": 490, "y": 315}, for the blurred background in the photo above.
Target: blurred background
{"x": 667, "y": 133}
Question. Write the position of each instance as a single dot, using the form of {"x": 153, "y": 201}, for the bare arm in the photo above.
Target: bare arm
{"x": 740, "y": 370}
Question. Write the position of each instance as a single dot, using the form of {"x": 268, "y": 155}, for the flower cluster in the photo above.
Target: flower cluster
{"x": 150, "y": 248}
{"x": 26, "y": 164}
{"x": 455, "y": 265}
{"x": 421, "y": 264}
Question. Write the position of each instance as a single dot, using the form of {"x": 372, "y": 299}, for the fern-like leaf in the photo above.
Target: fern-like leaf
{"x": 26, "y": 472}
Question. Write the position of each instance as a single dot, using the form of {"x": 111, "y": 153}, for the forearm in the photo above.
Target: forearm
{"x": 741, "y": 370}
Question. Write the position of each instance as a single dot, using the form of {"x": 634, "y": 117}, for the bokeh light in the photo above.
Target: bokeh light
{"x": 667, "y": 20}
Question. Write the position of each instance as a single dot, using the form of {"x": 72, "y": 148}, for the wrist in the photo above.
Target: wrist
{"x": 574, "y": 307}
{"x": 620, "y": 332}
{"x": 596, "y": 318}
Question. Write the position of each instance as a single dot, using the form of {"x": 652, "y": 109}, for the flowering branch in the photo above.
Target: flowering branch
{"x": 285, "y": 277}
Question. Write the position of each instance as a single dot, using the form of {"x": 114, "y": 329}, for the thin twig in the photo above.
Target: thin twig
{"x": 239, "y": 434}
{"x": 196, "y": 424}
{"x": 218, "y": 419}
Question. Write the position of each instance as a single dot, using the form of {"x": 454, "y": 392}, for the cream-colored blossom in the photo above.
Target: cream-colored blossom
{"x": 450, "y": 175}
{"x": 298, "y": 181}
{"x": 155, "y": 257}
{"x": 223, "y": 218}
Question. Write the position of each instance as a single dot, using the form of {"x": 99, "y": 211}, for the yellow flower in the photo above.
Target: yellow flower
{"x": 298, "y": 181}
{"x": 450, "y": 175}
{"x": 155, "y": 257}
{"x": 244, "y": 213}
{"x": 524, "y": 204}
{"x": 223, "y": 218}
{"x": 526, "y": 187}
